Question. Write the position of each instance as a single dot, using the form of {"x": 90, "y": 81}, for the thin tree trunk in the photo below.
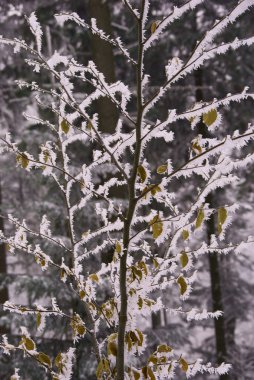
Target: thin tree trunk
{"x": 4, "y": 296}
{"x": 214, "y": 264}
{"x": 230, "y": 317}
{"x": 216, "y": 289}
{"x": 104, "y": 59}
{"x": 120, "y": 363}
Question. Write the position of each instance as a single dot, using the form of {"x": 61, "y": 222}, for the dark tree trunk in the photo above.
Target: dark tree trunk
{"x": 156, "y": 320}
{"x": 217, "y": 298}
{"x": 104, "y": 60}
{"x": 214, "y": 263}
{"x": 3, "y": 270}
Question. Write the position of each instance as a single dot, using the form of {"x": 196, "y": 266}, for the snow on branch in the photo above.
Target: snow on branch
{"x": 176, "y": 14}
{"x": 63, "y": 17}
{"x": 146, "y": 240}
{"x": 201, "y": 109}
{"x": 176, "y": 69}
{"x": 36, "y": 30}
{"x": 145, "y": 14}
{"x": 193, "y": 64}
{"x": 219, "y": 26}
{"x": 133, "y": 11}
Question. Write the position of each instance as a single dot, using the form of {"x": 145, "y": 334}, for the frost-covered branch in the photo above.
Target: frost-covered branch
{"x": 63, "y": 17}
{"x": 153, "y": 236}
{"x": 174, "y": 15}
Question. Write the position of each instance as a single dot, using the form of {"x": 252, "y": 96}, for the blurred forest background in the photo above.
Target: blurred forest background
{"x": 225, "y": 282}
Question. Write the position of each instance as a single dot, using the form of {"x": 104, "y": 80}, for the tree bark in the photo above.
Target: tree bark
{"x": 4, "y": 296}
{"x": 217, "y": 298}
{"x": 120, "y": 362}
{"x": 104, "y": 59}
{"x": 156, "y": 320}
{"x": 214, "y": 264}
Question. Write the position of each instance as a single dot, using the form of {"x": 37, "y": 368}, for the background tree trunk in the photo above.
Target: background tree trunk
{"x": 214, "y": 264}
{"x": 3, "y": 270}
{"x": 104, "y": 59}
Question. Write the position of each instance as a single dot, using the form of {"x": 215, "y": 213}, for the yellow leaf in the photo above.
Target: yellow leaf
{"x": 200, "y": 218}
{"x": 141, "y": 337}
{"x": 81, "y": 330}
{"x": 149, "y": 302}
{"x": 184, "y": 365}
{"x": 157, "y": 226}
{"x": 82, "y": 294}
{"x": 82, "y": 184}
{"x": 62, "y": 274}
{"x": 22, "y": 160}
{"x": 184, "y": 259}
{"x": 128, "y": 340}
{"x": 142, "y": 173}
{"x": 38, "y": 319}
{"x": 46, "y": 156}
{"x": 196, "y": 147}
{"x": 182, "y": 284}
{"x": 28, "y": 343}
{"x": 43, "y": 262}
{"x": 153, "y": 360}
{"x": 155, "y": 189}
{"x": 44, "y": 359}
{"x": 162, "y": 169}
{"x": 185, "y": 234}
{"x": 136, "y": 374}
{"x": 164, "y": 348}
{"x": 100, "y": 370}
{"x": 59, "y": 361}
{"x": 210, "y": 117}
{"x": 150, "y": 373}
{"x": 136, "y": 273}
{"x": 112, "y": 348}
{"x": 94, "y": 277}
{"x": 65, "y": 126}
{"x": 222, "y": 215}
{"x": 77, "y": 325}
{"x": 144, "y": 371}
{"x": 157, "y": 229}
{"x": 142, "y": 266}
{"x": 118, "y": 248}
{"x": 140, "y": 303}
{"x": 153, "y": 27}
{"x": 89, "y": 125}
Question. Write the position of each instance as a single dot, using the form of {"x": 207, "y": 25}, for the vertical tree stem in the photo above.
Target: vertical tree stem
{"x": 3, "y": 268}
{"x": 214, "y": 264}
{"x": 131, "y": 209}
